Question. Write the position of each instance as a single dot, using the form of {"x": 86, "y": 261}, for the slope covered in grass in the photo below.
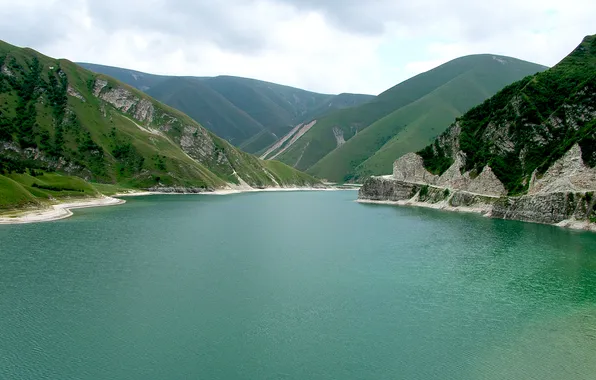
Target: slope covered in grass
{"x": 249, "y": 113}
{"x": 13, "y": 194}
{"x": 401, "y": 119}
{"x": 58, "y": 117}
{"x": 36, "y": 187}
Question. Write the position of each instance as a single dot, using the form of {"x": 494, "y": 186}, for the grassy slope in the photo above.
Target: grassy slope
{"x": 258, "y": 142}
{"x": 21, "y": 191}
{"x": 18, "y": 190}
{"x": 214, "y": 111}
{"x": 413, "y": 126}
{"x": 241, "y": 110}
{"x": 339, "y": 102}
{"x": 411, "y": 112}
{"x": 95, "y": 120}
{"x": 319, "y": 141}
{"x": 13, "y": 194}
{"x": 181, "y": 169}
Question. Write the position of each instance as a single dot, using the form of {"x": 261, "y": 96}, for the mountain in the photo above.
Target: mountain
{"x": 527, "y": 153}
{"x": 528, "y": 125}
{"x": 359, "y": 141}
{"x": 249, "y": 113}
{"x": 58, "y": 117}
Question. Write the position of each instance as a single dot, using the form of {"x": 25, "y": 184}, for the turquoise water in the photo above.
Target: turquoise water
{"x": 305, "y": 285}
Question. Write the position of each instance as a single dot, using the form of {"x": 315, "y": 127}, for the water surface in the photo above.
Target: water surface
{"x": 305, "y": 285}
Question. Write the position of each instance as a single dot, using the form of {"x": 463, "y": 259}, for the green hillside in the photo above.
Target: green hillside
{"x": 402, "y": 119}
{"x": 249, "y": 113}
{"x": 198, "y": 99}
{"x": 58, "y": 117}
{"x": 34, "y": 187}
{"x": 528, "y": 125}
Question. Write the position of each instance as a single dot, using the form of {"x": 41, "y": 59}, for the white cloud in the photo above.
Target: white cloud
{"x": 327, "y": 46}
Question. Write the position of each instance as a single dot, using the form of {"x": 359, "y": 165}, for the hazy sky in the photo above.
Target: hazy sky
{"x": 327, "y": 46}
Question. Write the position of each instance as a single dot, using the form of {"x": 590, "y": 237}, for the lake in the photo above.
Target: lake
{"x": 297, "y": 285}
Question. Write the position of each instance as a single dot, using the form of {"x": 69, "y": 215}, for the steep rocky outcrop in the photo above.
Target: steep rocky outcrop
{"x": 564, "y": 195}
{"x": 124, "y": 100}
{"x": 74, "y": 93}
{"x": 410, "y": 168}
{"x": 568, "y": 209}
{"x": 569, "y": 173}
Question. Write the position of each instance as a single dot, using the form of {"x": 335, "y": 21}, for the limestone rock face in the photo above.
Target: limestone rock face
{"x": 338, "y": 133}
{"x": 548, "y": 208}
{"x": 569, "y": 173}
{"x": 74, "y": 93}
{"x": 125, "y": 101}
{"x": 486, "y": 183}
{"x": 410, "y": 168}
{"x": 177, "y": 189}
{"x": 564, "y": 195}
{"x": 196, "y": 142}
{"x": 99, "y": 85}
{"x": 120, "y": 98}
{"x": 144, "y": 111}
{"x": 453, "y": 178}
{"x": 387, "y": 189}
{"x": 6, "y": 71}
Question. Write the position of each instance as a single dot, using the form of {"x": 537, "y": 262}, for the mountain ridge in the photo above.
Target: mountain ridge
{"x": 477, "y": 76}
{"x": 251, "y": 107}
{"x": 56, "y": 116}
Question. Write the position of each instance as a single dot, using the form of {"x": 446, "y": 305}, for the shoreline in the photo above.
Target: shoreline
{"x": 232, "y": 191}
{"x": 57, "y": 211}
{"x": 571, "y": 224}
{"x": 484, "y": 211}
{"x": 63, "y": 210}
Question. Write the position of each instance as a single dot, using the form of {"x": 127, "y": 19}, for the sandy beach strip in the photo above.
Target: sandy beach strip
{"x": 57, "y": 211}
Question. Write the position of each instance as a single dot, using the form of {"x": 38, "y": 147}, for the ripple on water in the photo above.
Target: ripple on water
{"x": 553, "y": 348}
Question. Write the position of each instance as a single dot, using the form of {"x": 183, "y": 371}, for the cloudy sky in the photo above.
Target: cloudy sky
{"x": 322, "y": 45}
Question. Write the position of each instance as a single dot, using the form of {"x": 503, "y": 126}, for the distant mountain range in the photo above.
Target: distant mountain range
{"x": 364, "y": 140}
{"x": 249, "y": 113}
{"x": 343, "y": 137}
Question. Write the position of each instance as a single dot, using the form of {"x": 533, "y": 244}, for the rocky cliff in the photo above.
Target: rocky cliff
{"x": 566, "y": 209}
